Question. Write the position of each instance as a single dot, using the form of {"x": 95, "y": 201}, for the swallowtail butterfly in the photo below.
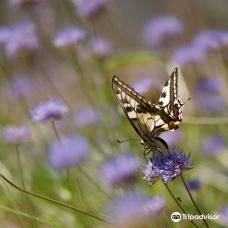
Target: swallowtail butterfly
{"x": 150, "y": 120}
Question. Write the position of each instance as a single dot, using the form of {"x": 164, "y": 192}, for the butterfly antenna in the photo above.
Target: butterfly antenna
{"x": 186, "y": 101}
{"x": 127, "y": 140}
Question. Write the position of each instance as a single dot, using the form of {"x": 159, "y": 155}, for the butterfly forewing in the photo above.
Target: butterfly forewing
{"x": 140, "y": 112}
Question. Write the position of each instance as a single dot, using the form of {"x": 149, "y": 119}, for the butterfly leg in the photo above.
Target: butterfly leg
{"x": 147, "y": 151}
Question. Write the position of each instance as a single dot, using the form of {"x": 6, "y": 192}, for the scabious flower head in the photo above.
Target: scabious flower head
{"x": 69, "y": 36}
{"x": 49, "y": 110}
{"x": 160, "y": 29}
{"x": 213, "y": 144}
{"x": 133, "y": 209}
{"x": 166, "y": 166}
{"x": 208, "y": 95}
{"x": 68, "y": 152}
{"x": 194, "y": 185}
{"x": 89, "y": 8}
{"x": 14, "y": 134}
{"x": 101, "y": 47}
{"x": 86, "y": 116}
{"x": 22, "y": 38}
{"x": 120, "y": 170}
{"x": 187, "y": 54}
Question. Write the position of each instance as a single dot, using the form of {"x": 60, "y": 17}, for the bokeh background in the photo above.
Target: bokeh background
{"x": 69, "y": 50}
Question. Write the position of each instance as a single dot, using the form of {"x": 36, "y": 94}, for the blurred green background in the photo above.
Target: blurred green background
{"x": 141, "y": 42}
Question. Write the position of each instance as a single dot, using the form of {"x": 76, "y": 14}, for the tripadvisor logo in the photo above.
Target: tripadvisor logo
{"x": 176, "y": 217}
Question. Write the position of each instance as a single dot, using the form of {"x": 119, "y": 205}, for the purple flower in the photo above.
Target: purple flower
{"x": 4, "y": 34}
{"x": 21, "y": 85}
{"x": 87, "y": 116}
{"x": 120, "y": 170}
{"x": 210, "y": 39}
{"x": 49, "y": 110}
{"x": 89, "y": 8}
{"x": 15, "y": 135}
{"x": 69, "y": 36}
{"x": 160, "y": 29}
{"x": 22, "y": 38}
{"x": 188, "y": 54}
{"x": 210, "y": 85}
{"x": 68, "y": 152}
{"x": 208, "y": 95}
{"x": 223, "y": 215}
{"x": 196, "y": 51}
{"x": 101, "y": 47}
{"x": 213, "y": 145}
{"x": 194, "y": 185}
{"x": 134, "y": 210}
{"x": 171, "y": 137}
{"x": 144, "y": 84}
{"x": 21, "y": 3}
{"x": 166, "y": 166}
{"x": 154, "y": 205}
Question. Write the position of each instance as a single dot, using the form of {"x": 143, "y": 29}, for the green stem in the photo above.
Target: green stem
{"x": 20, "y": 166}
{"x": 194, "y": 203}
{"x": 53, "y": 201}
{"x": 55, "y": 130}
{"x": 93, "y": 182}
{"x": 170, "y": 192}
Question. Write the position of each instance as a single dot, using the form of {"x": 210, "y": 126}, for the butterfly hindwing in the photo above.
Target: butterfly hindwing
{"x": 169, "y": 98}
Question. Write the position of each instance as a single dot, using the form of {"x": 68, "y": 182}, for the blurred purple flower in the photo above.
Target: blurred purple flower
{"x": 14, "y": 134}
{"x": 69, "y": 36}
{"x": 87, "y": 116}
{"x": 166, "y": 166}
{"x": 49, "y": 110}
{"x": 134, "y": 210}
{"x": 154, "y": 205}
{"x": 171, "y": 137}
{"x": 188, "y": 54}
{"x": 223, "y": 215}
{"x": 194, "y": 185}
{"x": 120, "y": 170}
{"x": 22, "y": 38}
{"x": 68, "y": 152}
{"x": 208, "y": 97}
{"x": 212, "y": 84}
{"x": 160, "y": 29}
{"x": 213, "y": 145}
{"x": 210, "y": 39}
{"x": 89, "y": 8}
{"x": 21, "y": 3}
{"x": 204, "y": 41}
{"x": 101, "y": 47}
{"x": 4, "y": 34}
{"x": 144, "y": 84}
{"x": 21, "y": 85}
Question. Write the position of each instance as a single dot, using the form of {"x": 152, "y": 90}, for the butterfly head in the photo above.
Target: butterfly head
{"x": 173, "y": 125}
